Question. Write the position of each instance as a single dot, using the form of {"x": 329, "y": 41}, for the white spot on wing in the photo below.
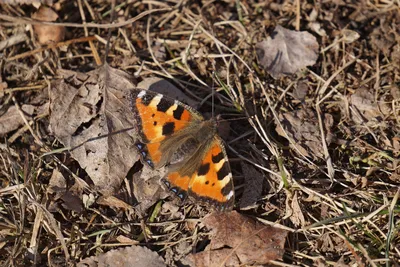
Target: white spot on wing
{"x": 141, "y": 94}
{"x": 230, "y": 195}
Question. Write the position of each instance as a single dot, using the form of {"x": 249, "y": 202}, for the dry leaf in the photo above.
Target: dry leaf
{"x": 237, "y": 240}
{"x": 71, "y": 197}
{"x": 114, "y": 202}
{"x": 47, "y": 33}
{"x": 126, "y": 240}
{"x": 134, "y": 256}
{"x": 92, "y": 116}
{"x": 253, "y": 186}
{"x": 350, "y": 36}
{"x": 302, "y": 127}
{"x": 365, "y": 108}
{"x": 287, "y": 51}
{"x": 301, "y": 90}
{"x": 159, "y": 51}
{"x": 11, "y": 119}
{"x": 297, "y": 216}
{"x": 147, "y": 189}
{"x": 384, "y": 37}
{"x": 57, "y": 184}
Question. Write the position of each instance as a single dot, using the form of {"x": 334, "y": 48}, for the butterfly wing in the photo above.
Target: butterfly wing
{"x": 211, "y": 182}
{"x": 159, "y": 117}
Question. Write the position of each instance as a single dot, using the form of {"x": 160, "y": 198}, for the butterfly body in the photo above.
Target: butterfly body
{"x": 176, "y": 136}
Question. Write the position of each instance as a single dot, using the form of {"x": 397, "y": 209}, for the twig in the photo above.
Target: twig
{"x": 51, "y": 46}
{"x": 13, "y": 40}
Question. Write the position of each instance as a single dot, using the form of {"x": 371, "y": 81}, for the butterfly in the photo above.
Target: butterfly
{"x": 176, "y": 136}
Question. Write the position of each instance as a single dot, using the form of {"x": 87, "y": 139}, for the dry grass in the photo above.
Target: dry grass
{"x": 341, "y": 209}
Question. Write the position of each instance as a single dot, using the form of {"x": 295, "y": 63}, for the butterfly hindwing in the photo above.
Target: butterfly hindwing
{"x": 212, "y": 180}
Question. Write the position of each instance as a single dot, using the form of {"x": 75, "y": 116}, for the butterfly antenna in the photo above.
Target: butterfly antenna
{"x": 109, "y": 31}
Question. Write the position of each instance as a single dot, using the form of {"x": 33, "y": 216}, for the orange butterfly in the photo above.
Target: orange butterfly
{"x": 175, "y": 135}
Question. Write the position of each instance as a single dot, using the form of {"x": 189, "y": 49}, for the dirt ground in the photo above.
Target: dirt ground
{"x": 306, "y": 98}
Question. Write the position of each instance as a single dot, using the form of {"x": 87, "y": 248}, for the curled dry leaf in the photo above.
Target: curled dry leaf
{"x": 134, "y": 256}
{"x": 11, "y": 119}
{"x": 297, "y": 216}
{"x": 113, "y": 202}
{"x": 287, "y": 51}
{"x": 147, "y": 189}
{"x": 71, "y": 197}
{"x": 47, "y": 33}
{"x": 237, "y": 241}
{"x": 384, "y": 37}
{"x": 364, "y": 108}
{"x": 57, "y": 184}
{"x": 302, "y": 127}
{"x": 301, "y": 90}
{"x": 253, "y": 186}
{"x": 92, "y": 116}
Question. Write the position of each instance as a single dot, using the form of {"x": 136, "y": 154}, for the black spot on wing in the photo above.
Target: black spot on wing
{"x": 168, "y": 128}
{"x": 204, "y": 169}
{"x": 164, "y": 104}
{"x": 178, "y": 112}
{"x": 218, "y": 158}
{"x": 147, "y": 98}
{"x": 226, "y": 189}
{"x": 224, "y": 171}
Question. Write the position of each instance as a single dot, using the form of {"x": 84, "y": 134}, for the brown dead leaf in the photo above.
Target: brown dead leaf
{"x": 331, "y": 243}
{"x": 384, "y": 37}
{"x": 301, "y": 90}
{"x": 92, "y": 116}
{"x": 159, "y": 51}
{"x": 11, "y": 119}
{"x": 47, "y": 33}
{"x": 134, "y": 256}
{"x": 147, "y": 189}
{"x": 364, "y": 108}
{"x": 126, "y": 240}
{"x": 237, "y": 240}
{"x": 113, "y": 202}
{"x": 297, "y": 216}
{"x": 303, "y": 127}
{"x": 71, "y": 198}
{"x": 57, "y": 184}
{"x": 253, "y": 186}
{"x": 286, "y": 51}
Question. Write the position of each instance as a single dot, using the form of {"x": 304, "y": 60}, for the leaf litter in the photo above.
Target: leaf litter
{"x": 134, "y": 256}
{"x": 347, "y": 216}
{"x": 237, "y": 240}
{"x": 286, "y": 51}
{"x": 86, "y": 112}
